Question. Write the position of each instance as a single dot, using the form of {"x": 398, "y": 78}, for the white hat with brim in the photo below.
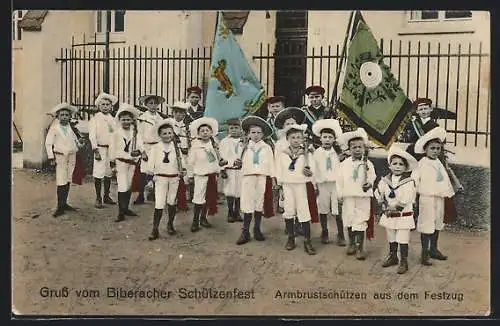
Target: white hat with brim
{"x": 125, "y": 107}
{"x": 436, "y": 133}
{"x": 410, "y": 160}
{"x": 105, "y": 96}
{"x": 332, "y": 124}
{"x": 195, "y": 125}
{"x": 159, "y": 99}
{"x": 253, "y": 120}
{"x": 63, "y": 106}
{"x": 164, "y": 122}
{"x": 347, "y": 136}
{"x": 180, "y": 105}
{"x": 302, "y": 127}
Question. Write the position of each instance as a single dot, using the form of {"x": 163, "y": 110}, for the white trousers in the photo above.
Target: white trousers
{"x": 431, "y": 214}
{"x": 101, "y": 168}
{"x": 65, "y": 164}
{"x": 232, "y": 185}
{"x": 200, "y": 189}
{"x": 165, "y": 191}
{"x": 327, "y": 199}
{"x": 400, "y": 236}
{"x": 253, "y": 188}
{"x": 356, "y": 212}
{"x": 124, "y": 176}
{"x": 296, "y": 203}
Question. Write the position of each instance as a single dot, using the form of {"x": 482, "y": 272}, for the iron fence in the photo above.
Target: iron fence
{"x": 455, "y": 76}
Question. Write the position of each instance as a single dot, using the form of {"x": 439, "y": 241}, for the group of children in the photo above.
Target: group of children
{"x": 312, "y": 181}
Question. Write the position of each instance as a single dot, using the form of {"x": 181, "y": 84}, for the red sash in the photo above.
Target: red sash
{"x": 211, "y": 194}
{"x": 136, "y": 179}
{"x": 79, "y": 171}
{"x": 313, "y": 204}
{"x": 450, "y": 211}
{"x": 370, "y": 231}
{"x": 181, "y": 195}
{"x": 268, "y": 198}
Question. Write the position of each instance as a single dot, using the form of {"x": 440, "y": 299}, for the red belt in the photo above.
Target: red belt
{"x": 167, "y": 175}
{"x": 131, "y": 162}
{"x": 400, "y": 214}
{"x": 105, "y": 146}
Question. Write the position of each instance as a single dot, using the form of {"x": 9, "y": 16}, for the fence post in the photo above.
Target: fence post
{"x": 106, "y": 61}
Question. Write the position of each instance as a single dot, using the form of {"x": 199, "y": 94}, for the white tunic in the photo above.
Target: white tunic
{"x": 146, "y": 123}
{"x": 327, "y": 163}
{"x": 155, "y": 164}
{"x": 404, "y": 195}
{"x": 351, "y": 177}
{"x": 61, "y": 139}
{"x": 101, "y": 127}
{"x": 230, "y": 149}
{"x": 122, "y": 142}
{"x": 285, "y": 175}
{"x": 432, "y": 179}
{"x": 203, "y": 158}
{"x": 258, "y": 159}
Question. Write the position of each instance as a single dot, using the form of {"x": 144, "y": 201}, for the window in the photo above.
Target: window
{"x": 438, "y": 15}
{"x": 112, "y": 20}
{"x": 17, "y": 15}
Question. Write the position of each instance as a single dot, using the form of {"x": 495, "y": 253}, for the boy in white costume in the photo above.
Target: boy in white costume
{"x": 206, "y": 163}
{"x": 124, "y": 153}
{"x": 163, "y": 165}
{"x": 231, "y": 149}
{"x": 101, "y": 128}
{"x": 284, "y": 118}
{"x": 61, "y": 144}
{"x": 295, "y": 169}
{"x": 396, "y": 192}
{"x": 433, "y": 186}
{"x": 327, "y": 164}
{"x": 146, "y": 123}
{"x": 354, "y": 189}
{"x": 256, "y": 184}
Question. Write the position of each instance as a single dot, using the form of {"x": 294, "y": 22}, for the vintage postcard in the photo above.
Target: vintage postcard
{"x": 281, "y": 163}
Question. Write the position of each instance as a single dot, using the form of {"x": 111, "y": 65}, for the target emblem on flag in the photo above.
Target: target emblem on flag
{"x": 370, "y": 74}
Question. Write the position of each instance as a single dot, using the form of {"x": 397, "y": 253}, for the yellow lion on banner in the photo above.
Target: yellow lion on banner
{"x": 225, "y": 83}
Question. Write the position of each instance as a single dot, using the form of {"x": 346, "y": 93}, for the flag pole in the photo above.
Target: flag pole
{"x": 344, "y": 49}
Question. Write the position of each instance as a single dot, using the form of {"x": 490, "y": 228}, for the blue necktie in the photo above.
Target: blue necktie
{"x": 392, "y": 194}
{"x": 328, "y": 163}
{"x": 165, "y": 158}
{"x": 64, "y": 130}
{"x": 126, "y": 149}
{"x": 256, "y": 155}
{"x": 291, "y": 167}
{"x": 210, "y": 155}
{"x": 355, "y": 173}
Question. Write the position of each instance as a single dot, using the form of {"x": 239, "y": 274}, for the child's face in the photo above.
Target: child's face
{"x": 433, "y": 149}
{"x": 424, "y": 111}
{"x": 315, "y": 99}
{"x": 397, "y": 165}
{"x": 125, "y": 121}
{"x": 205, "y": 132}
{"x": 274, "y": 108}
{"x": 64, "y": 116}
{"x": 179, "y": 115}
{"x": 105, "y": 106}
{"x": 289, "y": 122}
{"x": 255, "y": 133}
{"x": 166, "y": 134}
{"x": 357, "y": 148}
{"x": 296, "y": 139}
{"x": 327, "y": 139}
{"x": 234, "y": 130}
{"x": 151, "y": 104}
{"x": 194, "y": 98}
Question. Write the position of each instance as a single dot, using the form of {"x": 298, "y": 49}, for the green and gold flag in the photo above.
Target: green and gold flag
{"x": 371, "y": 97}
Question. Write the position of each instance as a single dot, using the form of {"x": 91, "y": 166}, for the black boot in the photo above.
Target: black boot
{"x": 126, "y": 210}
{"x": 286, "y": 228}
{"x": 230, "y": 209}
{"x": 172, "y": 209}
{"x": 434, "y": 251}
{"x": 306, "y": 226}
{"x": 65, "y": 202}
{"x": 323, "y": 219}
{"x": 298, "y": 227}
{"x": 60, "y": 201}
{"x": 290, "y": 244}
{"x": 190, "y": 191}
{"x": 98, "y": 198}
{"x": 203, "y": 217}
{"x": 155, "y": 234}
{"x": 392, "y": 258}
{"x": 425, "y": 240}
{"x": 195, "y": 227}
{"x": 340, "y": 231}
{"x": 237, "y": 210}
{"x": 360, "y": 239}
{"x": 106, "y": 199}
{"x": 142, "y": 184}
{"x": 122, "y": 197}
{"x": 351, "y": 249}
{"x": 403, "y": 266}
{"x": 257, "y": 233}
{"x": 245, "y": 234}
